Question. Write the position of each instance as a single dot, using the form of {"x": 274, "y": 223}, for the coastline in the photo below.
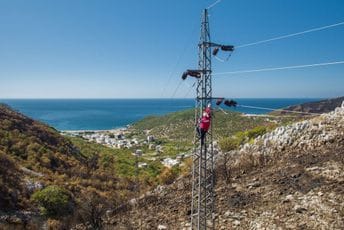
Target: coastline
{"x": 106, "y": 115}
{"x": 95, "y": 131}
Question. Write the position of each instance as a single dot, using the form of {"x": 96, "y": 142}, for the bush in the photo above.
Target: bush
{"x": 229, "y": 143}
{"x": 186, "y": 167}
{"x": 56, "y": 224}
{"x": 232, "y": 143}
{"x": 168, "y": 175}
{"x": 11, "y": 188}
{"x": 256, "y": 132}
{"x": 91, "y": 208}
{"x": 53, "y": 201}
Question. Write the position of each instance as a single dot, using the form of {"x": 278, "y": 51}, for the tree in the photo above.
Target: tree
{"x": 91, "y": 209}
{"x": 53, "y": 201}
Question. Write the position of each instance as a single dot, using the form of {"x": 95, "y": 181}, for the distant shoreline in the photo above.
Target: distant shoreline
{"x": 95, "y": 131}
{"x": 104, "y": 115}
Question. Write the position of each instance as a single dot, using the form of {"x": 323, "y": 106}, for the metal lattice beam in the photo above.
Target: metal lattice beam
{"x": 202, "y": 210}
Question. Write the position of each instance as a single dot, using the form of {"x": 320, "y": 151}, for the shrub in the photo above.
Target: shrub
{"x": 91, "y": 208}
{"x": 186, "y": 167}
{"x": 256, "y": 132}
{"x": 53, "y": 201}
{"x": 11, "y": 188}
{"x": 168, "y": 175}
{"x": 229, "y": 143}
{"x": 56, "y": 224}
{"x": 232, "y": 143}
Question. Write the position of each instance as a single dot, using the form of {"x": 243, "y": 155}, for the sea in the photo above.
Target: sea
{"x": 105, "y": 114}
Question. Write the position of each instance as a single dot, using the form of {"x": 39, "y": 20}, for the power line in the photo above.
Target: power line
{"x": 222, "y": 60}
{"x": 290, "y": 35}
{"x": 176, "y": 89}
{"x": 223, "y": 110}
{"x": 190, "y": 88}
{"x": 259, "y": 115}
{"x": 180, "y": 57}
{"x": 280, "y": 68}
{"x": 281, "y": 110}
{"x": 215, "y": 3}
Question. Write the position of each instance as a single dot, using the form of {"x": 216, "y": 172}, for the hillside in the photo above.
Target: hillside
{"x": 291, "y": 175}
{"x": 35, "y": 157}
{"x": 33, "y": 146}
{"x": 323, "y": 106}
{"x": 180, "y": 125}
{"x": 290, "y": 178}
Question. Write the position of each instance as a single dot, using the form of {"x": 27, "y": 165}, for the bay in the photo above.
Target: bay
{"x": 104, "y": 114}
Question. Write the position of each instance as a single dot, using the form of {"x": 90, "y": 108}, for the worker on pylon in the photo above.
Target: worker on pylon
{"x": 204, "y": 123}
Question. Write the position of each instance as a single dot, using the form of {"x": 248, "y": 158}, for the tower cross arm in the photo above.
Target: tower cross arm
{"x": 223, "y": 47}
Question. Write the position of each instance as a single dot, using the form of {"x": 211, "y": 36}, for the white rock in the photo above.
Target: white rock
{"x": 236, "y": 223}
{"x": 227, "y": 214}
{"x": 161, "y": 227}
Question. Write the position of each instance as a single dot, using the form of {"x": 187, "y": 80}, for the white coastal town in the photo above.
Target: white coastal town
{"x": 121, "y": 139}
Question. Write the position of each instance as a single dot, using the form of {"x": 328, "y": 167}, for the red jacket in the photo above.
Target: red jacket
{"x": 205, "y": 121}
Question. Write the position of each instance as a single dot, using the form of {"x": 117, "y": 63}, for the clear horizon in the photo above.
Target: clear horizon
{"x": 163, "y": 98}
{"x": 95, "y": 114}
{"x": 139, "y": 49}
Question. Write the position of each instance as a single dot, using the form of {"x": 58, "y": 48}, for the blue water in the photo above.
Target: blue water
{"x": 102, "y": 114}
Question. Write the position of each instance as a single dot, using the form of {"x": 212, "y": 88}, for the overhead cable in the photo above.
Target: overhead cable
{"x": 212, "y": 5}
{"x": 223, "y": 110}
{"x": 190, "y": 88}
{"x": 180, "y": 57}
{"x": 279, "y": 110}
{"x": 176, "y": 89}
{"x": 290, "y": 35}
{"x": 280, "y": 68}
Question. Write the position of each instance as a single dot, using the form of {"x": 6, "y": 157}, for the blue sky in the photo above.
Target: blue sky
{"x": 131, "y": 48}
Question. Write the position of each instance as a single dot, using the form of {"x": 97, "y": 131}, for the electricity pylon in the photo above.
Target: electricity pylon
{"x": 202, "y": 207}
{"x": 203, "y": 162}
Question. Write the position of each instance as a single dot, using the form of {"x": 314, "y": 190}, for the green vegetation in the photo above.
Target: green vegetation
{"x": 53, "y": 201}
{"x": 93, "y": 175}
{"x": 229, "y": 143}
{"x": 242, "y": 137}
{"x": 168, "y": 175}
{"x": 10, "y": 186}
{"x": 120, "y": 161}
{"x": 42, "y": 155}
{"x": 231, "y": 129}
{"x": 172, "y": 148}
{"x": 180, "y": 126}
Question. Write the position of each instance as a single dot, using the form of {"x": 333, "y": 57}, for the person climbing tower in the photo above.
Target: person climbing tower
{"x": 204, "y": 123}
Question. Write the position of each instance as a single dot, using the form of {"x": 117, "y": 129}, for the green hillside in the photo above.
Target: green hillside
{"x": 180, "y": 125}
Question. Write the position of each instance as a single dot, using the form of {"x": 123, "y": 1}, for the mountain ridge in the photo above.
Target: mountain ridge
{"x": 322, "y": 106}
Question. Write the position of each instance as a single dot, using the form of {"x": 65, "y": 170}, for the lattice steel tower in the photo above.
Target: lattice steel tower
{"x": 202, "y": 210}
{"x": 202, "y": 207}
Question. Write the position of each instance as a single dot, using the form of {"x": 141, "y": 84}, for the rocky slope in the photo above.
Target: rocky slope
{"x": 302, "y": 135}
{"x": 323, "y": 106}
{"x": 291, "y": 178}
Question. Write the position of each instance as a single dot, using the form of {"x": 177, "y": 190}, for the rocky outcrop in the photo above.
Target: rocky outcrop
{"x": 303, "y": 135}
